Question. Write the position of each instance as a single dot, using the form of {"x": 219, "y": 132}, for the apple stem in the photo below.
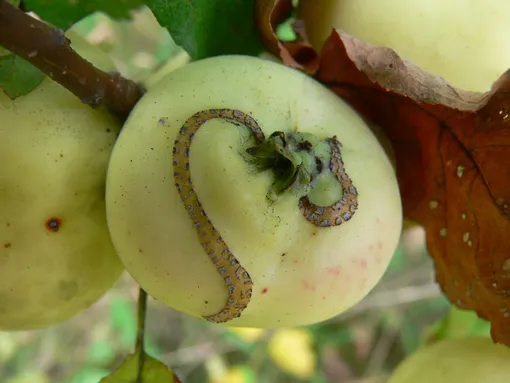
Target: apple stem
{"x": 140, "y": 333}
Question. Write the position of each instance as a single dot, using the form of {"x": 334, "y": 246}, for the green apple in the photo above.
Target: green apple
{"x": 456, "y": 360}
{"x": 463, "y": 41}
{"x": 299, "y": 273}
{"x": 56, "y": 256}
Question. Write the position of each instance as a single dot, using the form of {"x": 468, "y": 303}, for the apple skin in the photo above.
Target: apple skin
{"x": 302, "y": 274}
{"x": 54, "y": 153}
{"x": 456, "y": 360}
{"x": 463, "y": 41}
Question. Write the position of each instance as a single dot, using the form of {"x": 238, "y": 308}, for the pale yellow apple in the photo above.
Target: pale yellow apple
{"x": 56, "y": 256}
{"x": 460, "y": 360}
{"x": 463, "y": 41}
{"x": 301, "y": 273}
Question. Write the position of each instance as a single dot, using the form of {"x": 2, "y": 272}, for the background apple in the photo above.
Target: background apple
{"x": 56, "y": 256}
{"x": 463, "y": 41}
{"x": 462, "y": 360}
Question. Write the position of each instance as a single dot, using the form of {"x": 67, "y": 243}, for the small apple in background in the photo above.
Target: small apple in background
{"x": 456, "y": 360}
{"x": 463, "y": 41}
{"x": 56, "y": 256}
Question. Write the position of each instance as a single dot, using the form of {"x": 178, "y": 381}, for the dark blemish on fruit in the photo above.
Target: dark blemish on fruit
{"x": 108, "y": 130}
{"x": 53, "y": 224}
{"x": 296, "y": 261}
{"x": 7, "y": 245}
{"x": 67, "y": 290}
{"x": 8, "y": 224}
{"x": 162, "y": 121}
{"x": 323, "y": 298}
{"x": 265, "y": 290}
{"x": 284, "y": 254}
{"x": 314, "y": 234}
{"x": 206, "y": 302}
{"x": 140, "y": 250}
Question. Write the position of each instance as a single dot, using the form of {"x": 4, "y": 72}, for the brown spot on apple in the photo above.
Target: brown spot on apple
{"x": 53, "y": 224}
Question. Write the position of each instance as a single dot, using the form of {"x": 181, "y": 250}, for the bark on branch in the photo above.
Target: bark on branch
{"x": 50, "y": 51}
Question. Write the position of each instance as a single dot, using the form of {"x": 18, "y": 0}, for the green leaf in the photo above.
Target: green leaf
{"x": 64, "y": 13}
{"x": 206, "y": 28}
{"x": 154, "y": 371}
{"x": 18, "y": 77}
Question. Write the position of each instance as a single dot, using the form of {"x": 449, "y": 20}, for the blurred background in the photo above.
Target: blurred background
{"x": 405, "y": 310}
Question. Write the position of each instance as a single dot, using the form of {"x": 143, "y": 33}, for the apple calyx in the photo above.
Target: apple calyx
{"x": 300, "y": 165}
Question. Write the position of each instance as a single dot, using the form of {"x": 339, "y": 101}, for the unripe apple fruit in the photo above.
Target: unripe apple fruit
{"x": 211, "y": 187}
{"x": 456, "y": 360}
{"x": 56, "y": 256}
{"x": 463, "y": 41}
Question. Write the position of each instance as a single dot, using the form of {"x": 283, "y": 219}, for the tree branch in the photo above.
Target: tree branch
{"x": 47, "y": 49}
